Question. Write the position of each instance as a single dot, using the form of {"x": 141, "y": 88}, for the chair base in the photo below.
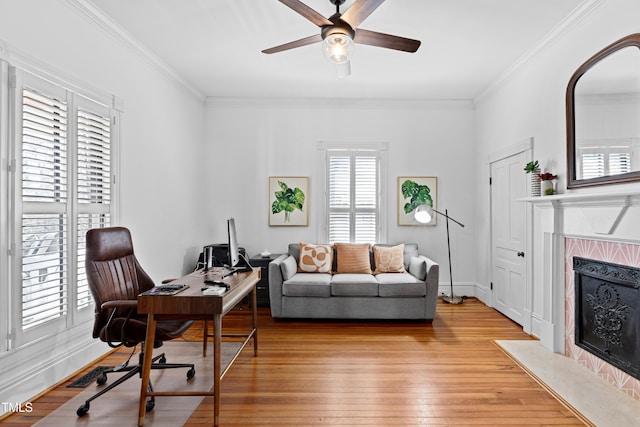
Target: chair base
{"x": 158, "y": 362}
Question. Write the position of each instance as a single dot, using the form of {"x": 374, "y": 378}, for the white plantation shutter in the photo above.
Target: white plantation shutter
{"x": 65, "y": 187}
{"x": 619, "y": 163}
{"x": 339, "y": 198}
{"x": 592, "y": 165}
{"x": 353, "y": 196}
{"x": 44, "y": 188}
{"x": 599, "y": 161}
{"x": 94, "y": 183}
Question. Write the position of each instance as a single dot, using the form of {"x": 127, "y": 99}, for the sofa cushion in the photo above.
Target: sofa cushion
{"x": 400, "y": 285}
{"x": 288, "y": 267}
{"x": 418, "y": 267}
{"x": 353, "y": 258}
{"x": 410, "y": 249}
{"x": 307, "y": 285}
{"x": 389, "y": 259}
{"x": 350, "y": 285}
{"x": 314, "y": 258}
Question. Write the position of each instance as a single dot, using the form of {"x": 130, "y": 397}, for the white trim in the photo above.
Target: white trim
{"x": 574, "y": 18}
{"x": 322, "y": 185}
{"x": 57, "y": 77}
{"x": 4, "y": 200}
{"x": 526, "y": 147}
{"x": 368, "y": 103}
{"x": 92, "y": 12}
{"x": 26, "y": 372}
{"x": 510, "y": 150}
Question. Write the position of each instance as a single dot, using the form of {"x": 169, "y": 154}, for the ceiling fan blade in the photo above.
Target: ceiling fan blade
{"x": 344, "y": 69}
{"x": 317, "y": 38}
{"x": 359, "y": 11}
{"x": 307, "y": 12}
{"x": 373, "y": 38}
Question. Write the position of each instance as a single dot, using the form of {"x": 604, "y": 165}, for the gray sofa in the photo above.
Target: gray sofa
{"x": 408, "y": 295}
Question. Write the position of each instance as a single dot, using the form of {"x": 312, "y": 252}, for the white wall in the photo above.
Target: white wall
{"x": 162, "y": 129}
{"x": 162, "y": 134}
{"x": 250, "y": 140}
{"x": 530, "y": 102}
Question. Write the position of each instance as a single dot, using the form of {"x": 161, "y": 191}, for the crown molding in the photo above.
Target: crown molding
{"x": 89, "y": 10}
{"x": 362, "y": 103}
{"x": 566, "y": 25}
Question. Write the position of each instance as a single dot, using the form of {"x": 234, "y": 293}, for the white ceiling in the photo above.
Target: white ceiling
{"x": 215, "y": 45}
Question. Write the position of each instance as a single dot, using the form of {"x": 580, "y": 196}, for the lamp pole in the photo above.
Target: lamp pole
{"x": 452, "y": 298}
{"x": 424, "y": 214}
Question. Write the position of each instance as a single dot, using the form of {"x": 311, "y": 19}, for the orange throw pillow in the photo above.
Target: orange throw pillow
{"x": 389, "y": 259}
{"x": 314, "y": 258}
{"x": 353, "y": 258}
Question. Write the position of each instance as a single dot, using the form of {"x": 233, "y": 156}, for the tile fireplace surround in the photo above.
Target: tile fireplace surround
{"x": 604, "y": 227}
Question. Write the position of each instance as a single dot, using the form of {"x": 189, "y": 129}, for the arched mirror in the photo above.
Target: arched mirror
{"x": 603, "y": 117}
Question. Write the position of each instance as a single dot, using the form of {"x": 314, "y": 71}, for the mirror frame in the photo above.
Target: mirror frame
{"x": 572, "y": 182}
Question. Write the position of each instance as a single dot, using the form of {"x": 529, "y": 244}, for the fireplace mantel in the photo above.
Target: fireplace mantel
{"x": 611, "y": 216}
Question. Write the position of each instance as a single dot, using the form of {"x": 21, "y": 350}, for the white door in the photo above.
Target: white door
{"x": 508, "y": 233}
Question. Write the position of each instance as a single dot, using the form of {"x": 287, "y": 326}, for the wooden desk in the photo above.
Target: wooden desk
{"x": 191, "y": 304}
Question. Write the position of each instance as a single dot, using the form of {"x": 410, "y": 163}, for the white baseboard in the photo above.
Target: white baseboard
{"x": 33, "y": 369}
{"x": 460, "y": 289}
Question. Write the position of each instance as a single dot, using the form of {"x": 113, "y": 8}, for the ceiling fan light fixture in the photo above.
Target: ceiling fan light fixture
{"x": 338, "y": 47}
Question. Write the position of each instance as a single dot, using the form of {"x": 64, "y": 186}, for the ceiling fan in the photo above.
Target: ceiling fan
{"x": 339, "y": 32}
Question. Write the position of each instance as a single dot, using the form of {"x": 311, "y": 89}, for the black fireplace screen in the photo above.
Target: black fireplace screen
{"x": 607, "y": 312}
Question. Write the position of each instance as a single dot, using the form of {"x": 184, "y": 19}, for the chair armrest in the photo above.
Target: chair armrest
{"x": 120, "y": 304}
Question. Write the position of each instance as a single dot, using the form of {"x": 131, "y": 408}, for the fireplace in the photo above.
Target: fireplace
{"x": 607, "y": 312}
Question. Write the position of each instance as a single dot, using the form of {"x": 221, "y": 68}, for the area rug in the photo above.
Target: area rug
{"x": 591, "y": 398}
{"x": 119, "y": 407}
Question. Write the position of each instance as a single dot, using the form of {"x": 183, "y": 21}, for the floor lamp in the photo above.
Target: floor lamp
{"x": 423, "y": 215}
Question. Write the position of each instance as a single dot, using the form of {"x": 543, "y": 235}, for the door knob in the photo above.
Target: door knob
{"x": 521, "y": 254}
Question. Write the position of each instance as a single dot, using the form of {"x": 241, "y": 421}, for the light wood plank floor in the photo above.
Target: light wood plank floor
{"x": 368, "y": 373}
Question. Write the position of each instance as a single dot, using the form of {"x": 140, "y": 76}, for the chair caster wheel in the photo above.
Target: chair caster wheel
{"x": 82, "y": 411}
{"x": 191, "y": 373}
{"x": 102, "y": 379}
{"x": 150, "y": 405}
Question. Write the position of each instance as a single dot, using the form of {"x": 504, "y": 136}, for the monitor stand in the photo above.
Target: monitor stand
{"x": 239, "y": 268}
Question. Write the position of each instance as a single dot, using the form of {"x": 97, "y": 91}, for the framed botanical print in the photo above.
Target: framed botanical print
{"x": 414, "y": 191}
{"x": 288, "y": 201}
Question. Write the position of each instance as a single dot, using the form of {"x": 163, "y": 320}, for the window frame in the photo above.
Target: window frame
{"x": 76, "y": 97}
{"x": 605, "y": 148}
{"x": 325, "y": 149}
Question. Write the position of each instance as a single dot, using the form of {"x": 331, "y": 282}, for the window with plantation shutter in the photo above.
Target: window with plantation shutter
{"x": 596, "y": 161}
{"x": 64, "y": 186}
{"x": 44, "y": 188}
{"x": 353, "y": 195}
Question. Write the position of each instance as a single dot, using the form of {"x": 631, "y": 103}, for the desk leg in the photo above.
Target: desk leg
{"x": 217, "y": 363}
{"x": 146, "y": 366}
{"x": 254, "y": 320}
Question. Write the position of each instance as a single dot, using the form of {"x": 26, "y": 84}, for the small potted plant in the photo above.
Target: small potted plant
{"x": 547, "y": 183}
{"x": 533, "y": 167}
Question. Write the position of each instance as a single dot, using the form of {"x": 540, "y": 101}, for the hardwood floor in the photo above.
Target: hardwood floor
{"x": 369, "y": 373}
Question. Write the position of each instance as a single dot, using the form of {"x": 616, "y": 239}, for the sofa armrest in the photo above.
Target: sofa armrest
{"x": 432, "y": 281}
{"x": 275, "y": 285}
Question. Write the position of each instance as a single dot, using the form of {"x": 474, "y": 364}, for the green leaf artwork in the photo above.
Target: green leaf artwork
{"x": 419, "y": 195}
{"x": 287, "y": 200}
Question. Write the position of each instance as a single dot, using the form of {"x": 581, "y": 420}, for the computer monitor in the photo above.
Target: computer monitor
{"x": 235, "y": 259}
{"x": 234, "y": 253}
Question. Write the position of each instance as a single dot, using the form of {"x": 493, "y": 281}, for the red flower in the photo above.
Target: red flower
{"x": 547, "y": 176}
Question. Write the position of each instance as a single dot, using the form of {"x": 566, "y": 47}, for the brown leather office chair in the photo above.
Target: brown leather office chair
{"x": 116, "y": 278}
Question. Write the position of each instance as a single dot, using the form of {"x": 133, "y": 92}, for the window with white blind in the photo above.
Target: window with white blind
{"x": 353, "y": 211}
{"x": 63, "y": 187}
{"x": 601, "y": 161}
